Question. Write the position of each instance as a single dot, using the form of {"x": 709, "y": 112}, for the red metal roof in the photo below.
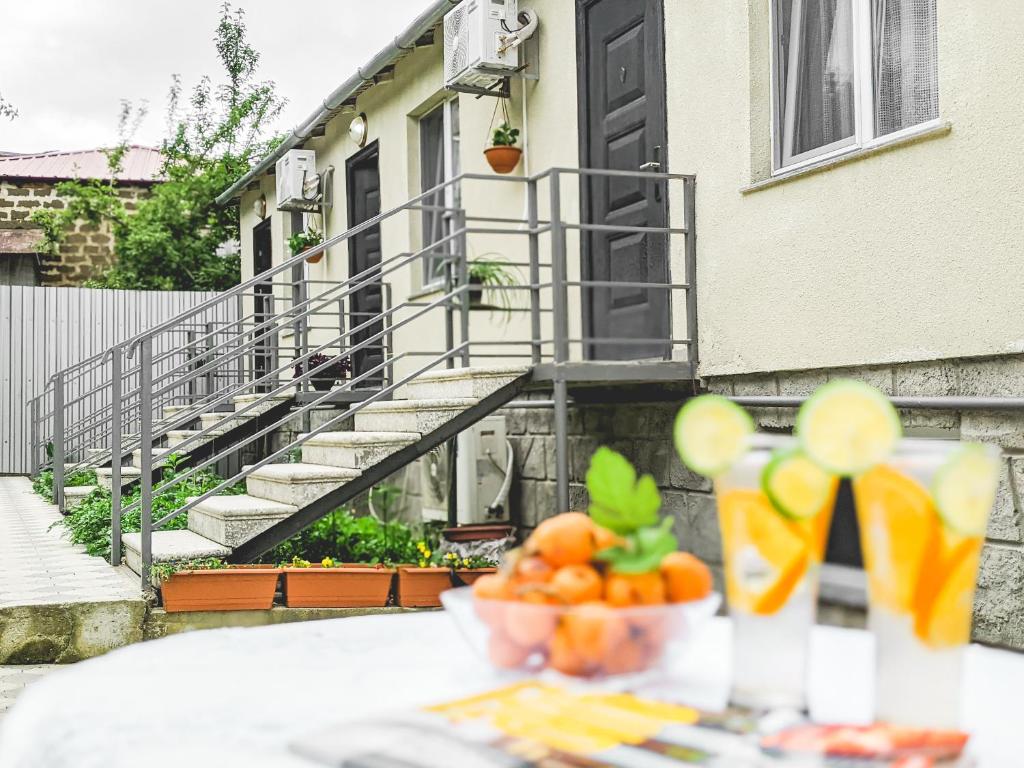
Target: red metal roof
{"x": 141, "y": 165}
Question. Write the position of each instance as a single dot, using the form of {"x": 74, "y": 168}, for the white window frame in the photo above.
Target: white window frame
{"x": 864, "y": 98}
{"x": 452, "y": 163}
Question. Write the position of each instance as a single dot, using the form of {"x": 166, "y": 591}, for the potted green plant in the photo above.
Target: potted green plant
{"x": 326, "y": 377}
{"x": 421, "y": 585}
{"x": 212, "y": 585}
{"x": 486, "y": 273}
{"x": 332, "y": 584}
{"x": 503, "y": 155}
{"x": 303, "y": 241}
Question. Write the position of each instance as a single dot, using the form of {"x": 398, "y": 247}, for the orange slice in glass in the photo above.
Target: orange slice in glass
{"x": 898, "y": 524}
{"x": 945, "y": 620}
{"x": 766, "y": 554}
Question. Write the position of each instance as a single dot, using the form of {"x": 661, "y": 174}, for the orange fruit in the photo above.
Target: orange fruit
{"x": 650, "y": 630}
{"x": 899, "y": 530}
{"x": 593, "y": 630}
{"x": 604, "y": 539}
{"x": 529, "y": 622}
{"x": 628, "y": 656}
{"x": 532, "y": 570}
{"x": 566, "y": 539}
{"x": 488, "y": 588}
{"x": 946, "y": 620}
{"x": 686, "y": 577}
{"x": 574, "y": 584}
{"x": 562, "y": 656}
{"x": 624, "y": 589}
{"x": 503, "y": 652}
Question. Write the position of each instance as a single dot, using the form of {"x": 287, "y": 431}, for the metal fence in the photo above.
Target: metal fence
{"x": 45, "y": 330}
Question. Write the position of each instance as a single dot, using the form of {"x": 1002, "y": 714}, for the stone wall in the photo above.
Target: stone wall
{"x": 643, "y": 433}
{"x": 87, "y": 249}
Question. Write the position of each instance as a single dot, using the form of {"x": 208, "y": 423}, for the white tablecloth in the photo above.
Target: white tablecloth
{"x": 236, "y": 697}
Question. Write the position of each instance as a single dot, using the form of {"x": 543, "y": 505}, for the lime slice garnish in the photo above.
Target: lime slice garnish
{"x": 796, "y": 486}
{"x": 711, "y": 433}
{"x": 964, "y": 489}
{"x": 848, "y": 427}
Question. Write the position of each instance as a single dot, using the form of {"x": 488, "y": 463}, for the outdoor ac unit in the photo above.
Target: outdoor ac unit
{"x": 298, "y": 185}
{"x": 476, "y": 51}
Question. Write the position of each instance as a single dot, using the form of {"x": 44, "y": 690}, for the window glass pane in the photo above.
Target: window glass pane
{"x": 905, "y": 59}
{"x": 431, "y": 174}
{"x": 815, "y": 75}
{"x": 456, "y": 153}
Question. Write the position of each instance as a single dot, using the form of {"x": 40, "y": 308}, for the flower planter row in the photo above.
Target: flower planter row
{"x": 356, "y": 586}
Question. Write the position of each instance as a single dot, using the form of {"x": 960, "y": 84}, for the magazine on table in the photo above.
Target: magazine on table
{"x": 550, "y": 726}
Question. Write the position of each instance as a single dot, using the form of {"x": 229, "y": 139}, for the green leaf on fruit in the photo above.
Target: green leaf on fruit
{"x": 618, "y": 500}
{"x": 643, "y": 549}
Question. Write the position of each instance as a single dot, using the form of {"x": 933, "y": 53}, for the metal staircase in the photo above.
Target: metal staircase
{"x": 216, "y": 383}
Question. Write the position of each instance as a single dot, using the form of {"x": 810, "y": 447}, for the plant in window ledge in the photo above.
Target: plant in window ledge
{"x": 496, "y": 275}
{"x": 303, "y": 241}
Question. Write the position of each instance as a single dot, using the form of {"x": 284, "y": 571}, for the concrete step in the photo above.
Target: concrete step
{"x": 73, "y": 495}
{"x": 97, "y": 454}
{"x": 462, "y": 382}
{"x": 159, "y": 454}
{"x": 233, "y": 520}
{"x": 421, "y": 416}
{"x": 222, "y": 422}
{"x": 354, "y": 450}
{"x": 171, "y": 412}
{"x": 242, "y": 401}
{"x": 178, "y": 436}
{"x": 170, "y": 546}
{"x": 296, "y": 484}
{"x": 104, "y": 476}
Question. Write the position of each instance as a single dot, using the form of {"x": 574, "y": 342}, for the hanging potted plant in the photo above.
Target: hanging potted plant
{"x": 303, "y": 241}
{"x": 330, "y": 584}
{"x": 212, "y": 585}
{"x": 503, "y": 155}
{"x": 484, "y": 273}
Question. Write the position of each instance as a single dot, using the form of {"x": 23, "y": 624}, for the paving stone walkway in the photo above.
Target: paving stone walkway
{"x": 14, "y": 680}
{"x": 39, "y": 566}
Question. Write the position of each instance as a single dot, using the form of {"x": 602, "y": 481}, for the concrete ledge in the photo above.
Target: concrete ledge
{"x": 159, "y": 623}
{"x": 62, "y": 633}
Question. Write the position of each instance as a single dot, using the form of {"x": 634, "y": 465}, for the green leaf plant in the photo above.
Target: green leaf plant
{"x": 628, "y": 506}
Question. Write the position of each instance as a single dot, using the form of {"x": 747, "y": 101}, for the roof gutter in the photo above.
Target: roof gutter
{"x": 405, "y": 41}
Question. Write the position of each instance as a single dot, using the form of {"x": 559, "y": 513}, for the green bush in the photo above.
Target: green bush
{"x": 43, "y": 482}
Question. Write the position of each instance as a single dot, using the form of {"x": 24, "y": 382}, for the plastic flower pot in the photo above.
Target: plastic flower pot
{"x": 321, "y": 384}
{"x": 354, "y": 586}
{"x": 503, "y": 159}
{"x": 222, "y": 589}
{"x": 422, "y": 587}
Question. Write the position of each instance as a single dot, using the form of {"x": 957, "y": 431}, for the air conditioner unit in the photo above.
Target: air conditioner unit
{"x": 298, "y": 186}
{"x": 476, "y": 50}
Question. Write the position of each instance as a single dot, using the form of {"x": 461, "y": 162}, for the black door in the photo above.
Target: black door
{"x": 363, "y": 181}
{"x": 262, "y": 260}
{"x": 623, "y": 127}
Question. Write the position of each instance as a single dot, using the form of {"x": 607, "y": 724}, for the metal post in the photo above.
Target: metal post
{"x": 274, "y": 340}
{"x": 208, "y": 358}
{"x": 449, "y": 311}
{"x": 535, "y": 330}
{"x": 58, "y": 441}
{"x": 389, "y": 340}
{"x": 146, "y": 463}
{"x": 463, "y": 277}
{"x": 115, "y": 457}
{"x": 301, "y": 326}
{"x": 690, "y": 213}
{"x": 34, "y": 435}
{"x": 240, "y": 307}
{"x": 561, "y": 326}
{"x": 190, "y": 355}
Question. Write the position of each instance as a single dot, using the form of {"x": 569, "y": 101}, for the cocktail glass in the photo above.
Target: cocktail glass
{"x": 921, "y": 574}
{"x": 772, "y": 565}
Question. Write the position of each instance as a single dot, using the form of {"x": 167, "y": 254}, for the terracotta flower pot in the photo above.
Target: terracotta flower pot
{"x": 478, "y": 532}
{"x": 503, "y": 159}
{"x": 226, "y": 589}
{"x": 422, "y": 587}
{"x": 468, "y": 575}
{"x": 315, "y": 258}
{"x": 346, "y": 587}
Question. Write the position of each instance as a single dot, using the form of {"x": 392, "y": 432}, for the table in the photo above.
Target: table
{"x": 232, "y": 697}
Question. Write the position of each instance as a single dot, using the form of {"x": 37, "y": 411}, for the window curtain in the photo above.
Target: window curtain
{"x": 818, "y": 96}
{"x": 906, "y": 71}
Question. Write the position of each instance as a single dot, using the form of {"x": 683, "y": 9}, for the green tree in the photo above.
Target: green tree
{"x": 217, "y": 132}
{"x": 7, "y": 109}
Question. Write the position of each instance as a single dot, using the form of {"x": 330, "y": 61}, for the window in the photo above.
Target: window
{"x": 439, "y": 161}
{"x": 848, "y": 73}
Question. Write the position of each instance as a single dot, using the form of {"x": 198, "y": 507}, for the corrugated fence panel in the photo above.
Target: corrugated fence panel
{"x": 44, "y": 330}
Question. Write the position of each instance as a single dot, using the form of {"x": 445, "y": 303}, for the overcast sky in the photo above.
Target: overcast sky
{"x": 66, "y": 64}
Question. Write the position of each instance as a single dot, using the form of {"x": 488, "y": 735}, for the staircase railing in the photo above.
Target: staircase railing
{"x": 208, "y": 357}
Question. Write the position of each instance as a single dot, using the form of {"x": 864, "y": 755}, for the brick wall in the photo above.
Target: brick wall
{"x": 643, "y": 434}
{"x": 88, "y": 248}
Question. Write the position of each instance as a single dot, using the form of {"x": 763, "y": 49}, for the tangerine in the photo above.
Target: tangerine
{"x": 505, "y": 653}
{"x": 563, "y": 657}
{"x": 628, "y": 656}
{"x": 530, "y": 622}
{"x": 574, "y": 584}
{"x": 624, "y": 589}
{"x": 593, "y": 630}
{"x": 605, "y": 539}
{"x": 686, "y": 577}
{"x": 487, "y": 589}
{"x": 532, "y": 570}
{"x": 565, "y": 539}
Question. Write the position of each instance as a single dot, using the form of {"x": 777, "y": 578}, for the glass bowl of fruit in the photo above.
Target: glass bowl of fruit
{"x": 585, "y": 601}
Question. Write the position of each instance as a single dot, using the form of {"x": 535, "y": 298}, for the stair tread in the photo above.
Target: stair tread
{"x": 79, "y": 490}
{"x": 245, "y": 504}
{"x": 177, "y": 545}
{"x": 302, "y": 471}
{"x": 362, "y": 438}
{"x": 472, "y": 373}
{"x": 414, "y": 404}
{"x": 107, "y": 471}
